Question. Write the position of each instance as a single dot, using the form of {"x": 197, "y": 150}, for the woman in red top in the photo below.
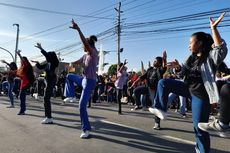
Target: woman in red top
{"x": 25, "y": 73}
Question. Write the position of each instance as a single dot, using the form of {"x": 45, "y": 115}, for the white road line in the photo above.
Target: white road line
{"x": 160, "y": 135}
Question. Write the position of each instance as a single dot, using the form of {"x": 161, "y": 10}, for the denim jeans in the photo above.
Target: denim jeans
{"x": 5, "y": 86}
{"x": 200, "y": 113}
{"x": 147, "y": 96}
{"x": 200, "y": 108}
{"x": 10, "y": 92}
{"x": 182, "y": 101}
{"x": 22, "y": 97}
{"x": 87, "y": 87}
{"x": 167, "y": 86}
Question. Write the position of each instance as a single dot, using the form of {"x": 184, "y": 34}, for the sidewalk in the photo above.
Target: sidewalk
{"x": 130, "y": 132}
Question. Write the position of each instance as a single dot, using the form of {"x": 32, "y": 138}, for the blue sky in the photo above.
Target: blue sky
{"x": 143, "y": 37}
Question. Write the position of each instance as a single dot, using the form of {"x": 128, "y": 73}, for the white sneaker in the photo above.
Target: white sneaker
{"x": 216, "y": 127}
{"x": 35, "y": 95}
{"x": 157, "y": 126}
{"x": 159, "y": 113}
{"x": 84, "y": 134}
{"x": 47, "y": 121}
{"x": 73, "y": 100}
{"x": 69, "y": 99}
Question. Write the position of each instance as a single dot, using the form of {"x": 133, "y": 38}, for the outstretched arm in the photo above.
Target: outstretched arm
{"x": 83, "y": 39}
{"x": 39, "y": 46}
{"x": 3, "y": 61}
{"x": 164, "y": 57}
{"x": 125, "y": 62}
{"x": 19, "y": 54}
{"x": 215, "y": 33}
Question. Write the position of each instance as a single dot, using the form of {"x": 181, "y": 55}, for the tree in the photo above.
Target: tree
{"x": 112, "y": 69}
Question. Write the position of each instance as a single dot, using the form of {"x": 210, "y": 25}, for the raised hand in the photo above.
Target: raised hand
{"x": 3, "y": 61}
{"x": 125, "y": 62}
{"x": 173, "y": 64}
{"x": 214, "y": 24}
{"x": 18, "y": 52}
{"x": 164, "y": 54}
{"x": 39, "y": 46}
{"x": 74, "y": 25}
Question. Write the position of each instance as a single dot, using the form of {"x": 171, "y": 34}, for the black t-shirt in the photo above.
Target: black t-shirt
{"x": 153, "y": 75}
{"x": 194, "y": 79}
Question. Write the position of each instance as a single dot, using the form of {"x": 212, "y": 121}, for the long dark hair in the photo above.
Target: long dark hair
{"x": 206, "y": 44}
{"x": 13, "y": 66}
{"x": 91, "y": 40}
{"x": 29, "y": 71}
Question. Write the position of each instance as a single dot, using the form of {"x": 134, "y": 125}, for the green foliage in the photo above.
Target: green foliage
{"x": 112, "y": 69}
{"x": 139, "y": 73}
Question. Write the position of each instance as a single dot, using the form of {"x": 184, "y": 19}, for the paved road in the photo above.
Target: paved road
{"x": 130, "y": 132}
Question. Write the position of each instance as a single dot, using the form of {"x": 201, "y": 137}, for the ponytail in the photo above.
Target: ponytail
{"x": 206, "y": 40}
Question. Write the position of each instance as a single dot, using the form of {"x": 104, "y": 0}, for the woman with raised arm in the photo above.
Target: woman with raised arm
{"x": 122, "y": 77}
{"x": 11, "y": 74}
{"x": 26, "y": 75}
{"x": 199, "y": 81}
{"x": 88, "y": 82}
{"x": 49, "y": 67}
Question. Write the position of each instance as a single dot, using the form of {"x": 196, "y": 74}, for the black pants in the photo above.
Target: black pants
{"x": 47, "y": 96}
{"x": 225, "y": 104}
{"x": 138, "y": 91}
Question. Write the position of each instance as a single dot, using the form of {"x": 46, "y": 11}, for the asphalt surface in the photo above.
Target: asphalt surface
{"x": 130, "y": 132}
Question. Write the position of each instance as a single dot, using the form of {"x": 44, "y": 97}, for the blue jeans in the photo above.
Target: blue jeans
{"x": 167, "y": 86}
{"x": 182, "y": 101}
{"x": 10, "y": 92}
{"x": 87, "y": 87}
{"x": 22, "y": 97}
{"x": 144, "y": 98}
{"x": 200, "y": 113}
{"x": 5, "y": 86}
{"x": 200, "y": 108}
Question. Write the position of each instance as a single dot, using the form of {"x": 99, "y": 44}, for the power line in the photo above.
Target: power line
{"x": 53, "y": 12}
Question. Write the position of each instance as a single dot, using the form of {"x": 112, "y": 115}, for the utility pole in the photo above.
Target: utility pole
{"x": 16, "y": 47}
{"x": 118, "y": 32}
{"x": 118, "y": 44}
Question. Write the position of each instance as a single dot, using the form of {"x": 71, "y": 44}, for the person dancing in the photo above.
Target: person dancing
{"x": 51, "y": 78}
{"x": 199, "y": 71}
{"x": 87, "y": 81}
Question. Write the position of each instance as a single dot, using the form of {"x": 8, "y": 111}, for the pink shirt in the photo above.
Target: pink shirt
{"x": 90, "y": 62}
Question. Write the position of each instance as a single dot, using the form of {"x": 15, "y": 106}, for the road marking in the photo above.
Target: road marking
{"x": 160, "y": 135}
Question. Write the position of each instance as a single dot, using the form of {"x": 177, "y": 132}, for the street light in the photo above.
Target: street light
{"x": 16, "y": 47}
{"x": 8, "y": 52}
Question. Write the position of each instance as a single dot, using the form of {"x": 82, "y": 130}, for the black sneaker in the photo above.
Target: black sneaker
{"x": 21, "y": 113}
{"x": 136, "y": 108}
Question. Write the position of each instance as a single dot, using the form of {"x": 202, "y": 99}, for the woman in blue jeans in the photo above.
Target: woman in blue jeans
{"x": 87, "y": 81}
{"x": 10, "y": 80}
{"x": 199, "y": 82}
